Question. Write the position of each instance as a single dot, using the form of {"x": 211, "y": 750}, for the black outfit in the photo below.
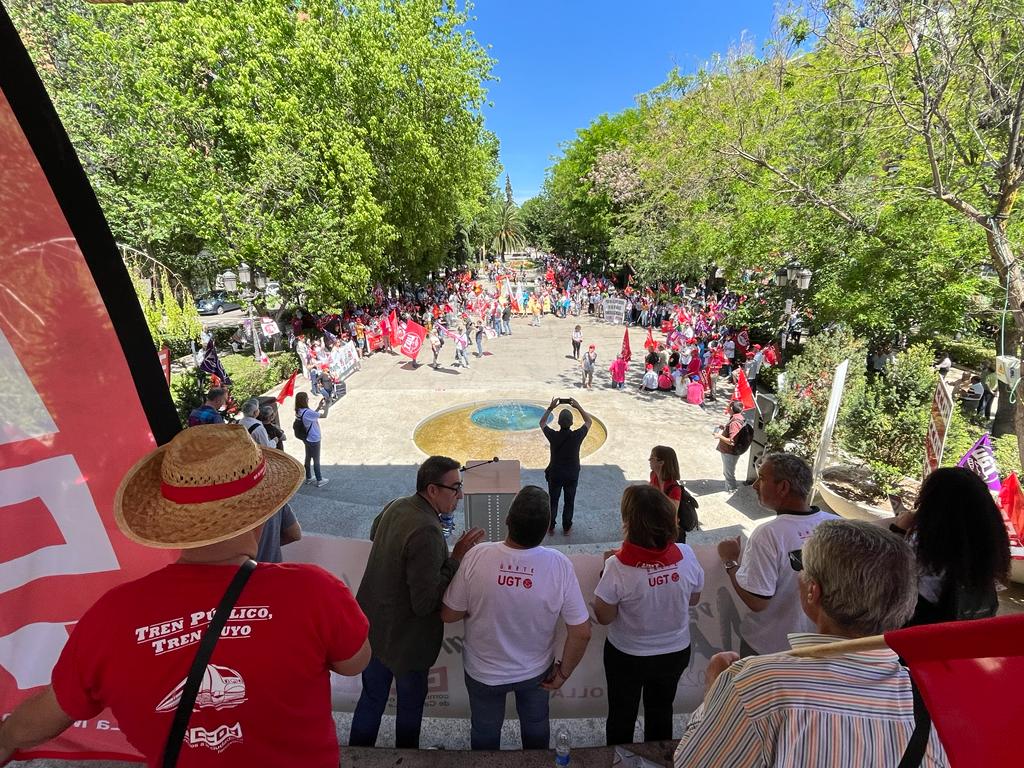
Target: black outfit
{"x": 656, "y": 678}
{"x": 563, "y": 470}
{"x": 276, "y": 435}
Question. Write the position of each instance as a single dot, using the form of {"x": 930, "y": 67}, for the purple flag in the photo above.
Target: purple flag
{"x": 982, "y": 462}
{"x": 329, "y": 337}
{"x": 211, "y": 364}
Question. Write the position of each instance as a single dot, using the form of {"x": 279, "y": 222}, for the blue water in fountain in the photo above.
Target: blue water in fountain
{"x": 508, "y": 417}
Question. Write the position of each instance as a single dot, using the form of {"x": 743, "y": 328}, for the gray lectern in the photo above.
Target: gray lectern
{"x": 488, "y": 490}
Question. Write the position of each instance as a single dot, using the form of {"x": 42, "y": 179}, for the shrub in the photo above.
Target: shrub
{"x": 248, "y": 379}
{"x": 962, "y": 434}
{"x": 803, "y": 398}
{"x": 973, "y": 352}
{"x": 886, "y": 421}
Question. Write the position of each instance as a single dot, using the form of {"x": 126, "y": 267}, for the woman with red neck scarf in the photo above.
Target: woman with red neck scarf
{"x": 644, "y": 596}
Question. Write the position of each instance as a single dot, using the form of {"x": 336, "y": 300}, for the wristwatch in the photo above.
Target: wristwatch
{"x": 730, "y": 564}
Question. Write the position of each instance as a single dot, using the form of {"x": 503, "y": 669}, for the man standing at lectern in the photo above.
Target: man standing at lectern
{"x": 407, "y": 573}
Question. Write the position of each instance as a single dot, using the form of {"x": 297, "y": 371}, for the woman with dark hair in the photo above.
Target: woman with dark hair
{"x": 644, "y": 596}
{"x": 961, "y": 545}
{"x": 309, "y": 420}
{"x": 665, "y": 473}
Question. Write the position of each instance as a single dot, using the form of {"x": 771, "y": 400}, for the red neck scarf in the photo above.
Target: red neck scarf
{"x": 640, "y": 557}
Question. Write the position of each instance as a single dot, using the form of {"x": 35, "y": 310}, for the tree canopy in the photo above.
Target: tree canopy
{"x": 329, "y": 144}
{"x": 877, "y": 143}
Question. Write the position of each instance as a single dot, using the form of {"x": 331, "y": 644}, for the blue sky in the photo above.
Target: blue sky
{"x": 561, "y": 63}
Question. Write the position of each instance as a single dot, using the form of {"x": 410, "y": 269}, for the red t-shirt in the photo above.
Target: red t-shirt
{"x": 670, "y": 489}
{"x": 266, "y": 697}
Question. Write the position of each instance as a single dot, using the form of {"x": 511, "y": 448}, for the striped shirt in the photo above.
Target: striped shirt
{"x": 853, "y": 710}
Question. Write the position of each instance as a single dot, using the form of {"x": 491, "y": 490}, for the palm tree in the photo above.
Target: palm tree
{"x": 510, "y": 235}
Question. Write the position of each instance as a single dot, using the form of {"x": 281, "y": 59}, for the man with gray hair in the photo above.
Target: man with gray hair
{"x": 855, "y": 708}
{"x": 761, "y": 575}
{"x": 253, "y": 425}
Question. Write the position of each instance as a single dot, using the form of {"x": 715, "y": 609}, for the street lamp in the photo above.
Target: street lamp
{"x": 792, "y": 276}
{"x": 244, "y": 274}
{"x": 261, "y": 281}
{"x": 230, "y": 281}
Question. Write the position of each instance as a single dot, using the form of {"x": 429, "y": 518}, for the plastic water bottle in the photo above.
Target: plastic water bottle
{"x": 562, "y": 745}
{"x": 447, "y": 525}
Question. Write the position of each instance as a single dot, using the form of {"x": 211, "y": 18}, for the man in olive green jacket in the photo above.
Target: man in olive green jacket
{"x": 406, "y": 576}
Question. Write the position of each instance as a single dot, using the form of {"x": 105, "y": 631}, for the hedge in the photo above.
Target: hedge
{"x": 973, "y": 353}
{"x": 183, "y": 347}
{"x": 248, "y": 379}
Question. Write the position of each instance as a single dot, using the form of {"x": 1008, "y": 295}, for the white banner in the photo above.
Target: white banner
{"x": 614, "y": 310}
{"x": 938, "y": 423}
{"x": 714, "y": 627}
{"x": 349, "y": 360}
{"x": 834, "y": 399}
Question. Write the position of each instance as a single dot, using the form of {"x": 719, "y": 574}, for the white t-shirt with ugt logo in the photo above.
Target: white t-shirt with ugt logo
{"x": 654, "y": 603}
{"x": 514, "y": 600}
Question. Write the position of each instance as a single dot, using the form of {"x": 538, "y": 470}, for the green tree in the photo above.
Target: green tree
{"x": 509, "y": 236}
{"x": 329, "y": 148}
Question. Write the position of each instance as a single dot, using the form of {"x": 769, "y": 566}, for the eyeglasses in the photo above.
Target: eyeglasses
{"x": 796, "y": 560}
{"x": 457, "y": 487}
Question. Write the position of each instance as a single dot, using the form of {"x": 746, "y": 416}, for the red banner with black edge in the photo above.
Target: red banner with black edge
{"x": 67, "y": 435}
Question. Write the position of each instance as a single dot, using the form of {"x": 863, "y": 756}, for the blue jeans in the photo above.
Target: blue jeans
{"x": 487, "y": 712}
{"x": 411, "y": 688}
{"x": 729, "y": 461}
{"x": 506, "y": 327}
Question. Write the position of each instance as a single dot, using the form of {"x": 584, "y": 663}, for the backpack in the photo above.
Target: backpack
{"x": 299, "y": 427}
{"x": 743, "y": 439}
{"x": 687, "y": 514}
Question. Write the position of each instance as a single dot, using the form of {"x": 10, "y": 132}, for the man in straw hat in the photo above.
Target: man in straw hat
{"x": 208, "y": 493}
{"x": 406, "y": 575}
{"x": 848, "y": 709}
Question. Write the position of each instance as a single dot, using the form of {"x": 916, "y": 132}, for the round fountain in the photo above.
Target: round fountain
{"x": 508, "y": 429}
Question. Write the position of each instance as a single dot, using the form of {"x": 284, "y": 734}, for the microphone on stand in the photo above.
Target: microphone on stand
{"x": 467, "y": 467}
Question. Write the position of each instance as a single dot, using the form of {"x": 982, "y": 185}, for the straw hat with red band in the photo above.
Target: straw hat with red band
{"x": 209, "y": 484}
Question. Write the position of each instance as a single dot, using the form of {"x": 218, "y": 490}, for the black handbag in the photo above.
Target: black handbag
{"x": 195, "y": 675}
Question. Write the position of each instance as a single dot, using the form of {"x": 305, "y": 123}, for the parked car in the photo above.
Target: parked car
{"x": 216, "y": 303}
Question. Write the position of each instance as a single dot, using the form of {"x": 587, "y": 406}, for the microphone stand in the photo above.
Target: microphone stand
{"x": 467, "y": 467}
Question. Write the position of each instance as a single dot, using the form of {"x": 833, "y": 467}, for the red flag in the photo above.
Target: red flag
{"x": 1011, "y": 501}
{"x": 627, "y": 353}
{"x": 969, "y": 674}
{"x": 288, "y": 390}
{"x": 413, "y": 340}
{"x": 650, "y": 343}
{"x": 743, "y": 392}
{"x": 393, "y": 327}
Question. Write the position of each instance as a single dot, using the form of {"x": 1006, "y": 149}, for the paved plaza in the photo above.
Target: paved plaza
{"x": 369, "y": 455}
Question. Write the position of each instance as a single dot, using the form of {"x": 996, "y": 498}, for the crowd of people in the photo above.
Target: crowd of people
{"x": 700, "y": 346}
{"x": 807, "y": 578}
{"x": 219, "y": 493}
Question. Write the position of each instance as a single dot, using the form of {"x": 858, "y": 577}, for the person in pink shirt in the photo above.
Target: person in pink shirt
{"x": 618, "y": 370}
{"x": 695, "y": 391}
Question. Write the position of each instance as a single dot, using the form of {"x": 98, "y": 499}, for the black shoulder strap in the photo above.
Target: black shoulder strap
{"x": 253, "y": 428}
{"x": 195, "y": 675}
{"x": 918, "y": 744}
